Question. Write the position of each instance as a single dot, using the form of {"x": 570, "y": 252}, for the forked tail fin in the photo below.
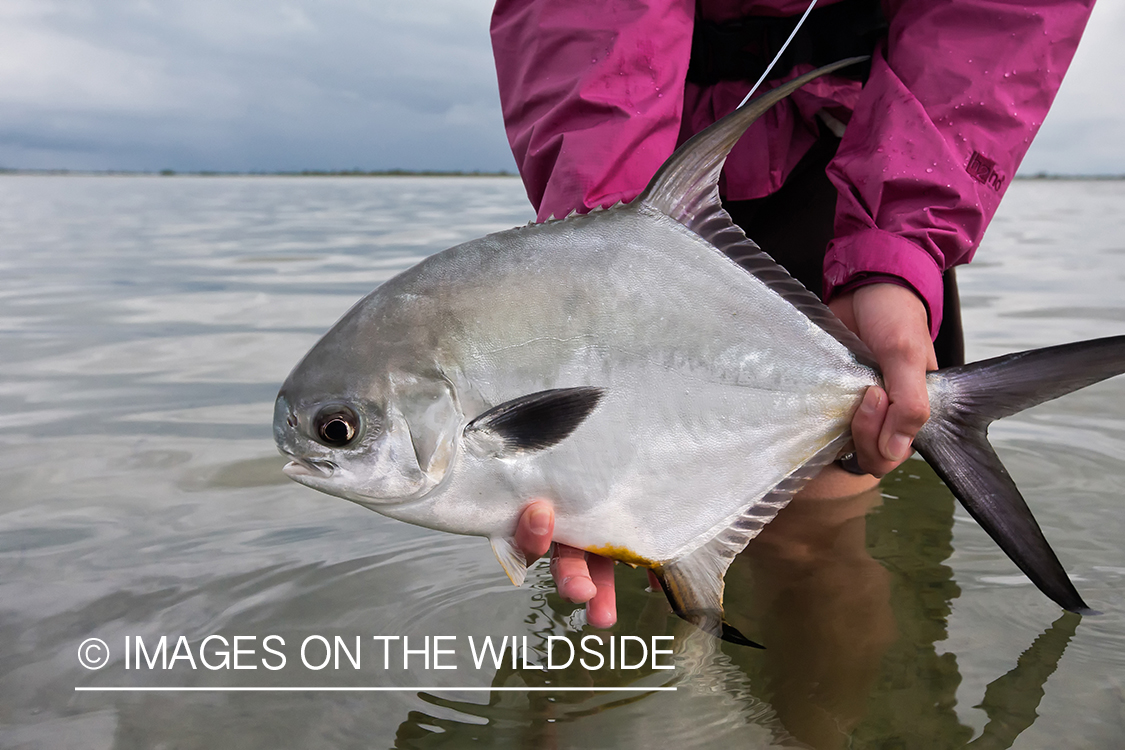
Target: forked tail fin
{"x": 965, "y": 400}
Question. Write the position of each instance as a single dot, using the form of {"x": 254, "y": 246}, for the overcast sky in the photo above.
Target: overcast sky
{"x": 247, "y": 85}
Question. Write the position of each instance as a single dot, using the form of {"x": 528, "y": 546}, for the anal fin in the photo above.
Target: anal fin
{"x": 694, "y": 587}
{"x": 511, "y": 559}
{"x": 694, "y": 583}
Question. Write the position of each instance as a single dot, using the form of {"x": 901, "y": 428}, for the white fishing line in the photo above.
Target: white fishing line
{"x": 780, "y": 52}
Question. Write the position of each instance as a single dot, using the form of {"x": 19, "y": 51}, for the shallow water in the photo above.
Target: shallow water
{"x": 145, "y": 325}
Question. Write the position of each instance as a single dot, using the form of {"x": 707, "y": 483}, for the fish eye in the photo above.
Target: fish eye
{"x": 336, "y": 425}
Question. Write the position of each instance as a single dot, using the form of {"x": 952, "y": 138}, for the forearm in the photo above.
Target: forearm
{"x": 952, "y": 104}
{"x": 592, "y": 95}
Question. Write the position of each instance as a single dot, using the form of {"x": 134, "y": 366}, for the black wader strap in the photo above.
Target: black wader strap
{"x": 740, "y": 50}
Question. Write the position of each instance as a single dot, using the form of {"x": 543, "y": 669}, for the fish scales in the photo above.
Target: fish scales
{"x": 665, "y": 399}
{"x": 697, "y": 408}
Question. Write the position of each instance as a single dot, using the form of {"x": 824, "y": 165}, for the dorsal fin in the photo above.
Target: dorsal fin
{"x": 687, "y": 189}
{"x": 731, "y": 240}
{"x": 689, "y": 181}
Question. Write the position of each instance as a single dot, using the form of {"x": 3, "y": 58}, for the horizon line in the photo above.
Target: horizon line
{"x": 396, "y": 172}
{"x": 264, "y": 173}
{"x": 367, "y": 689}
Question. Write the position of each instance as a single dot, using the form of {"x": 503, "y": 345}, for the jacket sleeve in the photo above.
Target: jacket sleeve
{"x": 953, "y": 101}
{"x": 592, "y": 95}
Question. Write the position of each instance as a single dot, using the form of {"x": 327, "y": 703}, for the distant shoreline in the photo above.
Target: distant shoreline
{"x": 302, "y": 173}
{"x": 394, "y": 173}
{"x": 1087, "y": 177}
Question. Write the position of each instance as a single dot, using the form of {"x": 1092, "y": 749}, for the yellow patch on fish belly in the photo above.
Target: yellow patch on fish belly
{"x": 622, "y": 554}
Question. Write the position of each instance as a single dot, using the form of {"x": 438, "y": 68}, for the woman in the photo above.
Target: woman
{"x": 869, "y": 189}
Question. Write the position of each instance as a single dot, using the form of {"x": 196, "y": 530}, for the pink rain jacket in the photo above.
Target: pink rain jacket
{"x": 595, "y": 99}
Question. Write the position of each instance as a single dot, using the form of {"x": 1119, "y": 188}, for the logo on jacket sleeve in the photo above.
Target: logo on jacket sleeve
{"x": 984, "y": 171}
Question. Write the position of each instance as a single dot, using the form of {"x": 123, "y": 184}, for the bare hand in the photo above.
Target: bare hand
{"x": 579, "y": 576}
{"x": 893, "y": 322}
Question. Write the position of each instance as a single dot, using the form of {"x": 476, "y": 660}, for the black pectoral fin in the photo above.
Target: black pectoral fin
{"x": 536, "y": 421}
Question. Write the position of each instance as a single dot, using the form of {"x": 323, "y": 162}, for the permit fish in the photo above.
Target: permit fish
{"x": 665, "y": 398}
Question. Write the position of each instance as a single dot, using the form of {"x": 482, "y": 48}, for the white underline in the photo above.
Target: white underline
{"x": 431, "y": 689}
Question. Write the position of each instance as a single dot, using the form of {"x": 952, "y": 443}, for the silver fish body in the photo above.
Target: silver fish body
{"x": 715, "y": 387}
{"x": 667, "y": 400}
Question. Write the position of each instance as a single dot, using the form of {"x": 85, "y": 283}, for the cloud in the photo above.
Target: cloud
{"x": 341, "y": 84}
{"x": 1084, "y": 133}
{"x": 248, "y": 86}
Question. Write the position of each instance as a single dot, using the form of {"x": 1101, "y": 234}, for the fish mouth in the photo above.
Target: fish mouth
{"x": 308, "y": 467}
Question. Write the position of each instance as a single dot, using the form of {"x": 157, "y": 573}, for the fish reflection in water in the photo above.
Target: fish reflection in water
{"x": 850, "y": 597}
{"x": 141, "y": 496}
